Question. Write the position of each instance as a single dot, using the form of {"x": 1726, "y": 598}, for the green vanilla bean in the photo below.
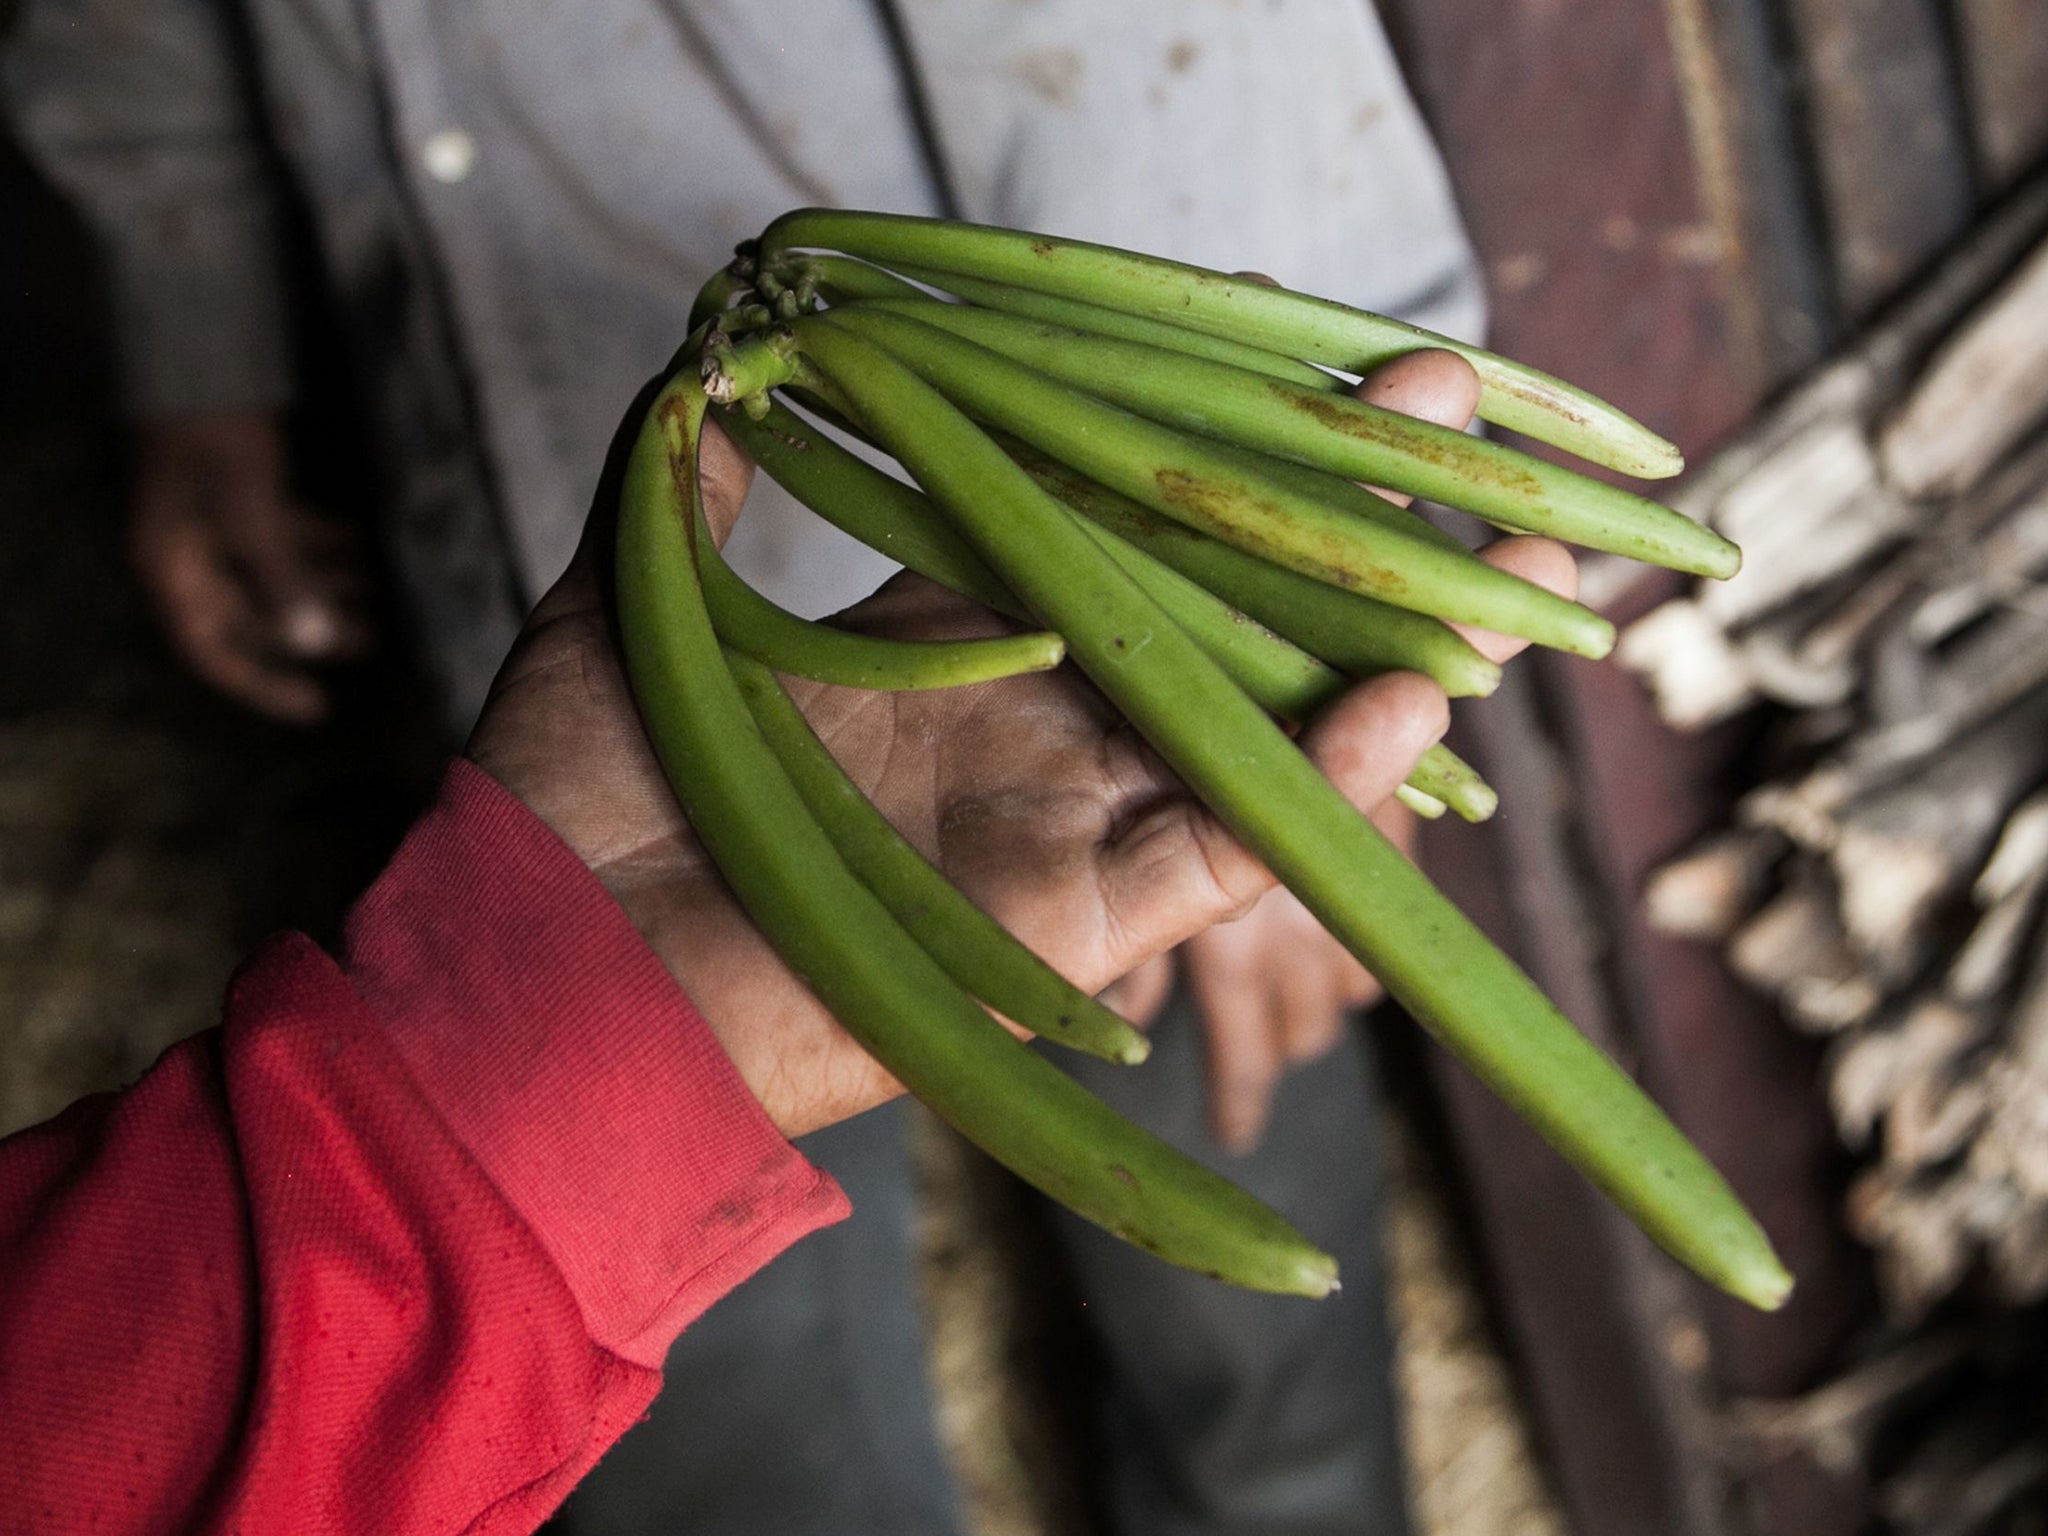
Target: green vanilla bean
{"x": 900, "y": 520}
{"x": 1182, "y": 477}
{"x": 841, "y": 278}
{"x": 852, "y": 495}
{"x": 1280, "y": 677}
{"x": 1246, "y": 770}
{"x": 972, "y": 947}
{"x": 1428, "y": 807}
{"x": 830, "y": 929}
{"x": 1444, "y": 776}
{"x": 1349, "y": 631}
{"x": 1345, "y": 436}
{"x": 1274, "y": 318}
{"x": 719, "y": 290}
{"x": 749, "y": 622}
{"x": 1079, "y": 316}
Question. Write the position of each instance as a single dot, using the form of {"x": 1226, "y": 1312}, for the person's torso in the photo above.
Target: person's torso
{"x": 573, "y": 169}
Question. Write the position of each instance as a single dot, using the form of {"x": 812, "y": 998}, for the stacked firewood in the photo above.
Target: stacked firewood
{"x": 1886, "y": 877}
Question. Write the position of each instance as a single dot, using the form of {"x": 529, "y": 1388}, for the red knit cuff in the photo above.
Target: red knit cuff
{"x": 566, "y": 1058}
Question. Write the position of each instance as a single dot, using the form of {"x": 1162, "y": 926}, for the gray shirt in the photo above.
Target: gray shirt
{"x": 515, "y": 201}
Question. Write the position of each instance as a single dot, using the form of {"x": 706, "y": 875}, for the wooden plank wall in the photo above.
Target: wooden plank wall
{"x": 1681, "y": 206}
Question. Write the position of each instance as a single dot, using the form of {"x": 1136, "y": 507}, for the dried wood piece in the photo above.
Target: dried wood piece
{"x": 1795, "y": 949}
{"x": 1789, "y": 653}
{"x": 1835, "y": 1424}
{"x": 1804, "y": 809}
{"x": 1892, "y": 884}
{"x": 1872, "y": 599}
{"x": 2001, "y": 667}
{"x": 2013, "y": 1151}
{"x": 1921, "y": 1230}
{"x": 1901, "y": 846}
{"x": 1986, "y": 387}
{"x": 1706, "y": 892}
{"x": 2008, "y": 931}
{"x": 2008, "y": 890}
{"x": 1868, "y": 1074}
{"x": 2016, "y": 1257}
{"x": 1808, "y": 512}
{"x": 1992, "y": 549}
{"x": 1899, "y": 687}
{"x": 2019, "y": 856}
{"x": 1856, "y": 386}
{"x": 1934, "y": 1118}
{"x": 1974, "y": 1476}
{"x": 1696, "y": 673}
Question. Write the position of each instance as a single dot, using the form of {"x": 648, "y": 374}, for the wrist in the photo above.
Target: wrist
{"x": 753, "y": 1004}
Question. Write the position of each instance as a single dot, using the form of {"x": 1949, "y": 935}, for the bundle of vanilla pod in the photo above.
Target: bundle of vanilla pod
{"x": 1885, "y": 877}
{"x": 1161, "y": 472}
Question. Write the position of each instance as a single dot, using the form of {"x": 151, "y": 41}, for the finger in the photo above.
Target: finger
{"x": 1308, "y": 997}
{"x": 268, "y": 684}
{"x": 1367, "y": 741}
{"x": 260, "y": 527}
{"x": 1431, "y": 385}
{"x": 1242, "y": 1059}
{"x": 1545, "y": 562}
{"x": 331, "y": 554}
{"x": 211, "y": 618}
{"x": 1139, "y": 996}
{"x": 1398, "y": 823}
{"x": 1434, "y": 384}
{"x": 1351, "y": 984}
{"x": 1176, "y": 869}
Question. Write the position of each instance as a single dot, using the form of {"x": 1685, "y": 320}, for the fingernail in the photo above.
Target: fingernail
{"x": 310, "y": 629}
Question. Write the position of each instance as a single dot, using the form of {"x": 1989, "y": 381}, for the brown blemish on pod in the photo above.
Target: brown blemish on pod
{"x": 1361, "y": 425}
{"x": 1211, "y": 502}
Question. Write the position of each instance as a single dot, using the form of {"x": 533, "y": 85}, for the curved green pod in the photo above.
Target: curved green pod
{"x": 749, "y": 622}
{"x": 1077, "y": 315}
{"x": 1274, "y": 318}
{"x": 852, "y": 495}
{"x": 1345, "y": 436}
{"x": 972, "y": 947}
{"x": 1182, "y": 477}
{"x": 1359, "y": 637}
{"x": 1428, "y": 807}
{"x": 900, "y": 520}
{"x": 1246, "y": 770}
{"x": 1281, "y": 678}
{"x": 841, "y": 278}
{"x": 1447, "y": 778}
{"x": 1350, "y": 632}
{"x": 830, "y": 929}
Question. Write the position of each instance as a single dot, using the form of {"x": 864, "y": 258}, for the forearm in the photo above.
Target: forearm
{"x": 405, "y": 1242}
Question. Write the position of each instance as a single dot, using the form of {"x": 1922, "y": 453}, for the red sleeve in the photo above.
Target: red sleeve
{"x": 402, "y": 1245}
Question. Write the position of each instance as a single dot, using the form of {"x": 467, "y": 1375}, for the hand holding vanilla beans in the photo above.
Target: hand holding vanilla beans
{"x": 1157, "y": 467}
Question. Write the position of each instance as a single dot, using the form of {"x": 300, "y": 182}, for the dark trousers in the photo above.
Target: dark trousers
{"x": 799, "y": 1405}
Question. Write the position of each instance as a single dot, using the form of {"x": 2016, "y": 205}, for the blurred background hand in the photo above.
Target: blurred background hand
{"x": 255, "y": 591}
